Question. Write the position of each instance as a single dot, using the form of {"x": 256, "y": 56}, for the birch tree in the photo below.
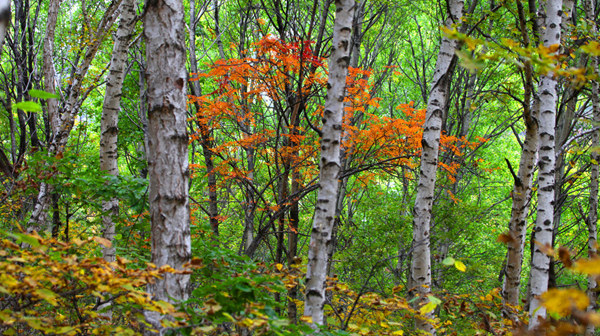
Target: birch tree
{"x": 62, "y": 116}
{"x": 321, "y": 236}
{"x": 110, "y": 117}
{"x": 168, "y": 148}
{"x": 521, "y": 193}
{"x": 540, "y": 263}
{"x": 420, "y": 275}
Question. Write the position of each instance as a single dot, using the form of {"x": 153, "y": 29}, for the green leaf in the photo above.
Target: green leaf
{"x": 64, "y": 330}
{"x": 449, "y": 261}
{"x": 469, "y": 62}
{"x": 42, "y": 94}
{"x": 25, "y": 238}
{"x": 28, "y": 106}
{"x": 434, "y": 300}
{"x": 47, "y": 295}
{"x": 10, "y": 332}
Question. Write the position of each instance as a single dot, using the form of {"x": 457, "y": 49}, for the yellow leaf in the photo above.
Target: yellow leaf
{"x": 103, "y": 241}
{"x": 460, "y": 266}
{"x": 588, "y": 266}
{"x": 47, "y": 295}
{"x": 164, "y": 307}
{"x": 563, "y": 301}
{"x": 398, "y": 332}
{"x": 428, "y": 308}
{"x": 306, "y": 319}
{"x": 279, "y": 266}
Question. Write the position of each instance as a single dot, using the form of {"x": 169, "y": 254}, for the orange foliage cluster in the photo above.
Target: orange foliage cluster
{"x": 247, "y": 91}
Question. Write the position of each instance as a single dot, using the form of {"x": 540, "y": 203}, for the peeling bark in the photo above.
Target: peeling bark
{"x": 168, "y": 149}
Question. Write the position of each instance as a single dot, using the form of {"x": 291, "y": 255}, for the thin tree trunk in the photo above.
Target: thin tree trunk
{"x": 540, "y": 263}
{"x": 143, "y": 108}
{"x": 206, "y": 143}
{"x": 62, "y": 119}
{"x": 168, "y": 149}
{"x": 110, "y": 118}
{"x": 316, "y": 273}
{"x": 592, "y": 219}
{"x": 38, "y": 216}
{"x": 294, "y": 222}
{"x": 521, "y": 193}
{"x": 421, "y": 260}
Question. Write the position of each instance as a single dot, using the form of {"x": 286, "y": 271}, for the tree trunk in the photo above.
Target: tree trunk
{"x": 421, "y": 260}
{"x": 540, "y": 263}
{"x": 521, "y": 193}
{"x": 38, "y": 216}
{"x": 110, "y": 118}
{"x": 168, "y": 149}
{"x": 316, "y": 273}
{"x": 205, "y": 136}
{"x": 592, "y": 219}
{"x": 62, "y": 119}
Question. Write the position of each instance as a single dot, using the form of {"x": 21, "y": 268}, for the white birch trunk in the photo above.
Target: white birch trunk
{"x": 38, "y": 216}
{"x": 521, "y": 193}
{"x": 110, "y": 117}
{"x": 168, "y": 148}
{"x": 420, "y": 275}
{"x": 4, "y": 20}
{"x": 540, "y": 263}
{"x": 592, "y": 220}
{"x": 62, "y": 119}
{"x": 316, "y": 273}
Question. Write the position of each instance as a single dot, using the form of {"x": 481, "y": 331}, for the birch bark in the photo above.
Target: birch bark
{"x": 521, "y": 193}
{"x": 38, "y": 216}
{"x": 540, "y": 263}
{"x": 320, "y": 240}
{"x": 110, "y": 117}
{"x": 62, "y": 118}
{"x": 420, "y": 275}
{"x": 168, "y": 148}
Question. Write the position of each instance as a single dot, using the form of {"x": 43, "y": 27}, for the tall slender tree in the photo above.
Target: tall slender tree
{"x": 540, "y": 263}
{"x": 592, "y": 220}
{"x": 62, "y": 116}
{"x": 521, "y": 193}
{"x": 316, "y": 273}
{"x": 168, "y": 148}
{"x": 420, "y": 275}
{"x": 110, "y": 117}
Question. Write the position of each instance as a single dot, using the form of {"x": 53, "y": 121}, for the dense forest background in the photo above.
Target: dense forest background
{"x": 176, "y": 167}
